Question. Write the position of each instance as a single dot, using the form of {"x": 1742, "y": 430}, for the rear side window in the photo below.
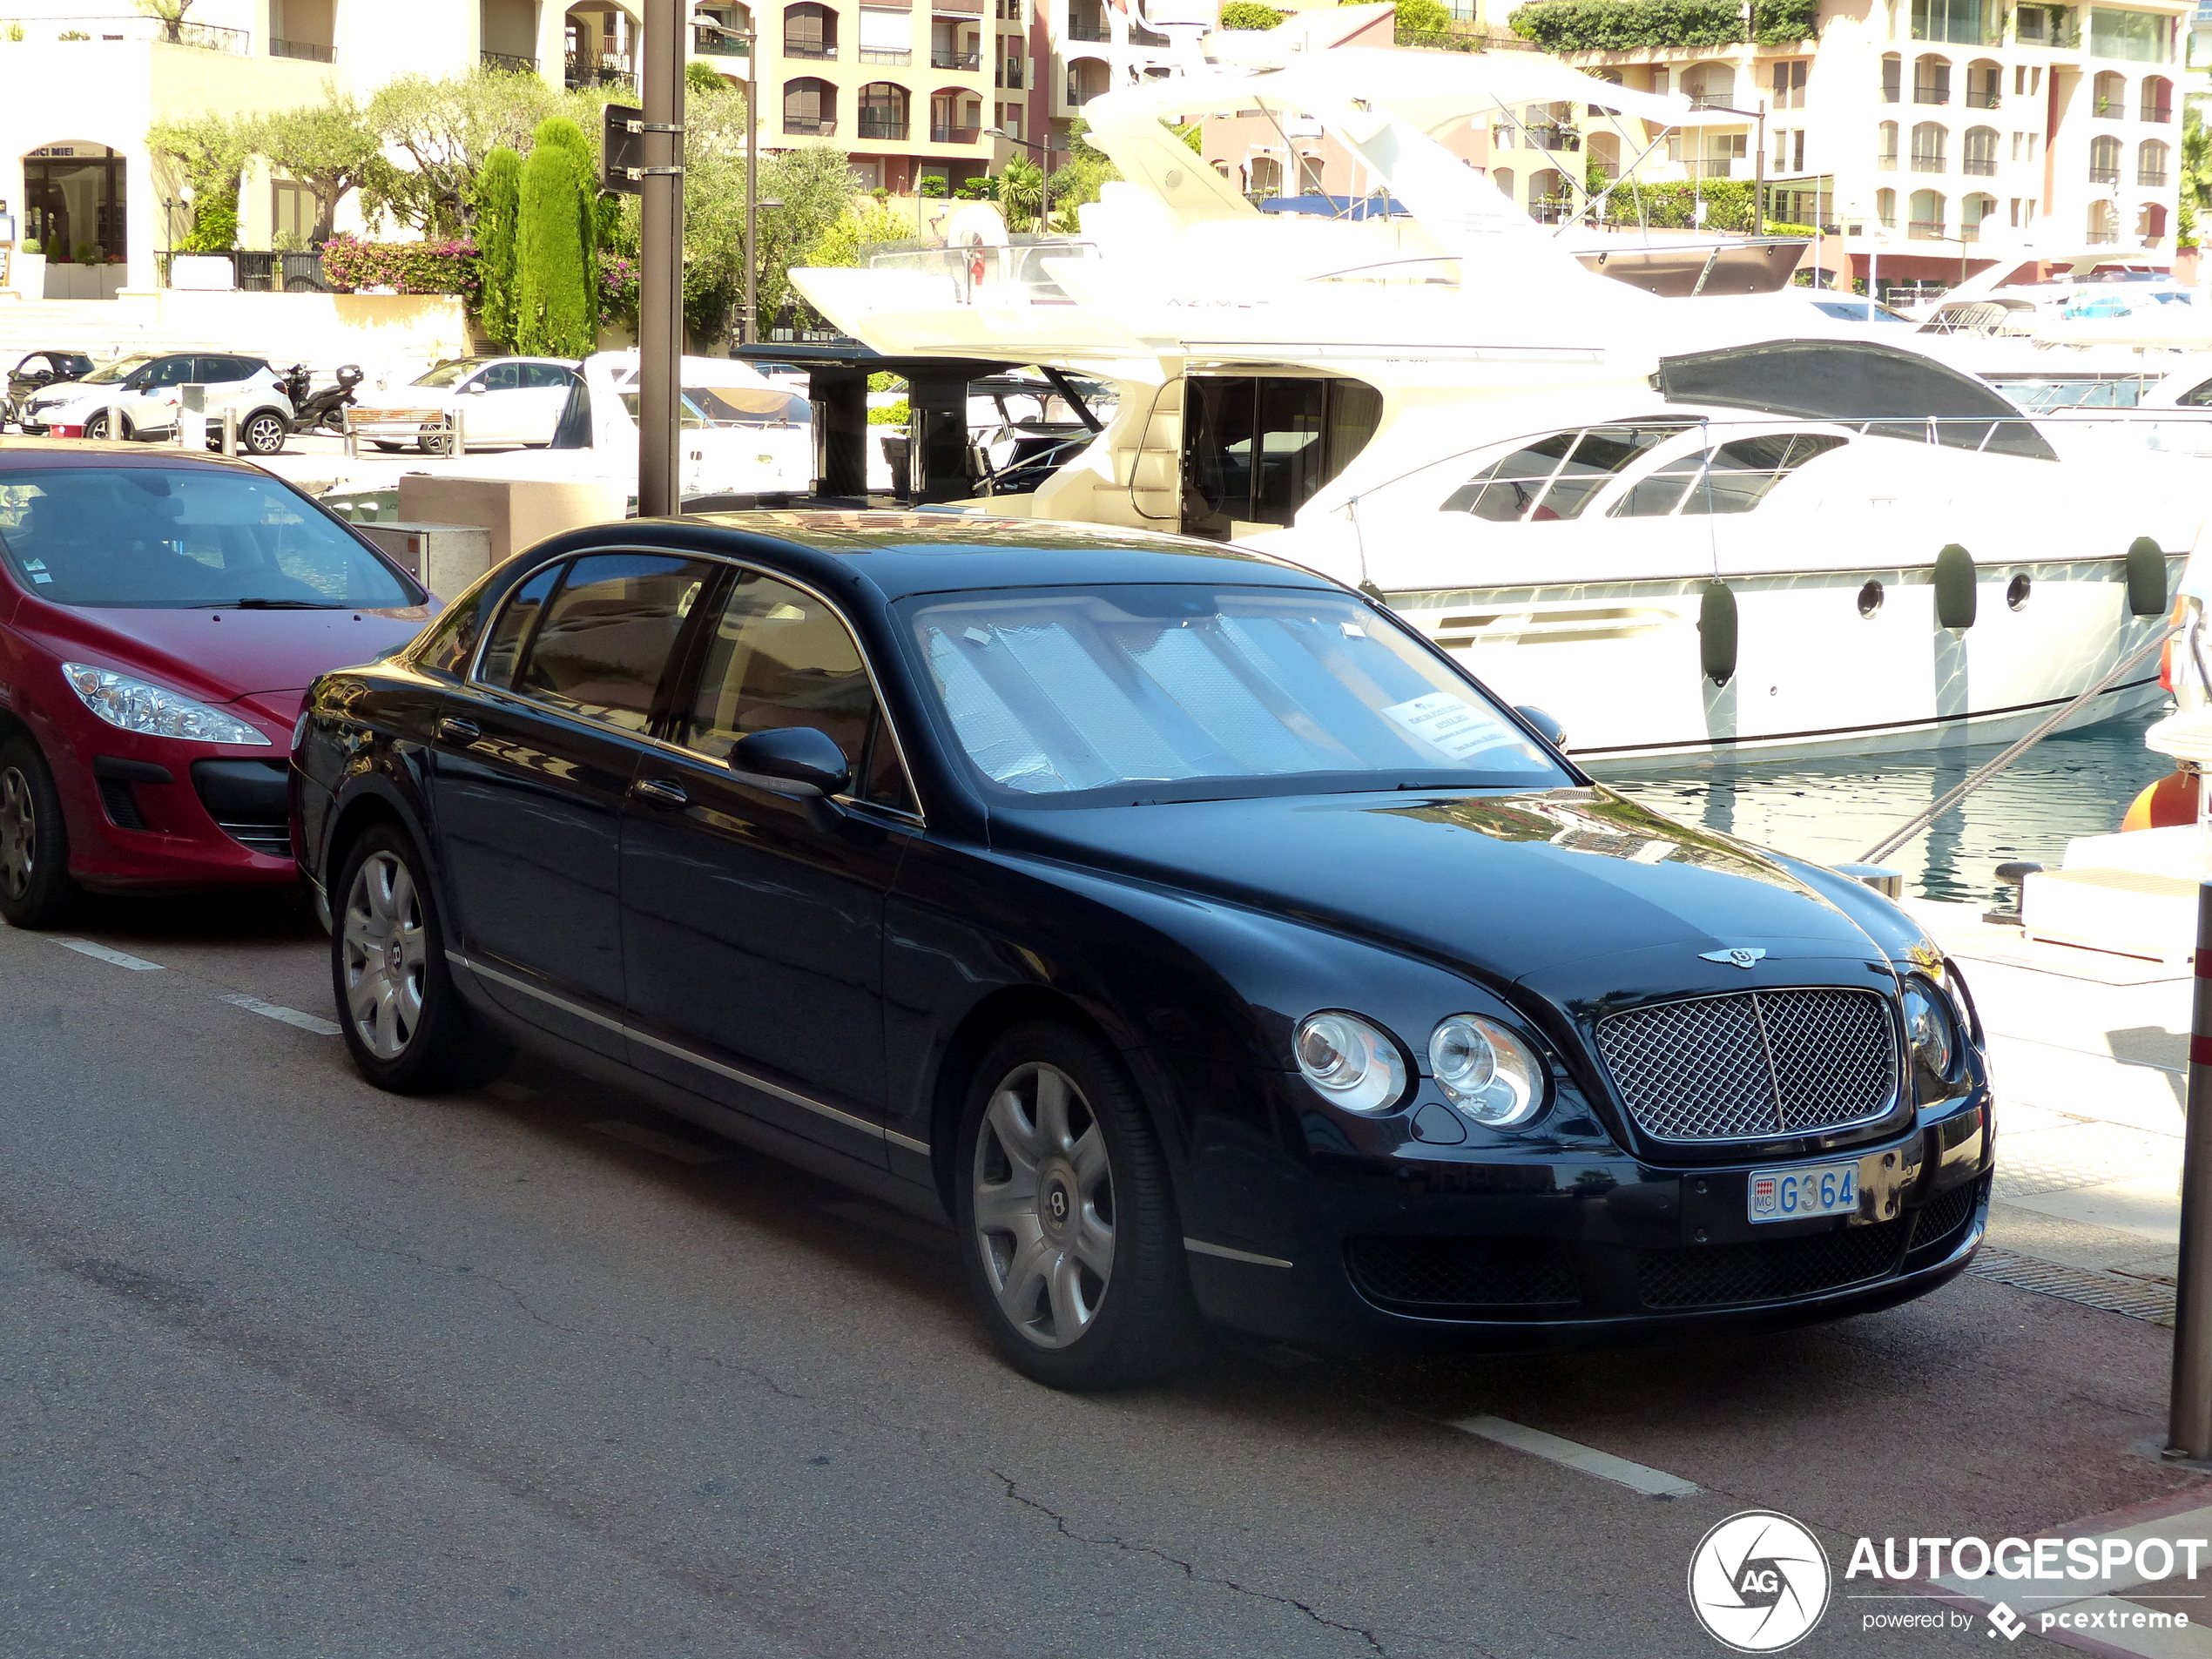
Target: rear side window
{"x": 780, "y": 657}
{"x": 545, "y": 377}
{"x": 1742, "y": 474}
{"x": 2197, "y": 399}
{"x": 604, "y": 643}
{"x": 524, "y": 607}
{"x": 501, "y": 377}
{"x": 1556, "y": 478}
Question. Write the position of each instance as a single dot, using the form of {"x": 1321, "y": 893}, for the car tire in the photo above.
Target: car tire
{"x": 263, "y": 433}
{"x": 95, "y": 428}
{"x": 434, "y": 443}
{"x": 403, "y": 1021}
{"x": 1067, "y": 1217}
{"x": 388, "y": 449}
{"x": 36, "y": 890}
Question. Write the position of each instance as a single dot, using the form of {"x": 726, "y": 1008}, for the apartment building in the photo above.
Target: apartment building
{"x": 1925, "y": 134}
{"x": 902, "y": 85}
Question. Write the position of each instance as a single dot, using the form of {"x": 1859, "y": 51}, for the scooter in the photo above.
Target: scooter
{"x": 324, "y": 410}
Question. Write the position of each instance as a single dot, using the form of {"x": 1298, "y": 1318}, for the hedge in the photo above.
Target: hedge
{"x": 1630, "y": 25}
{"x": 1727, "y": 205}
{"x": 411, "y": 267}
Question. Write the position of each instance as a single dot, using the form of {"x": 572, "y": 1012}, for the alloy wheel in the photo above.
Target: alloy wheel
{"x": 265, "y": 434}
{"x": 383, "y": 955}
{"x": 1043, "y": 1191}
{"x": 18, "y": 832}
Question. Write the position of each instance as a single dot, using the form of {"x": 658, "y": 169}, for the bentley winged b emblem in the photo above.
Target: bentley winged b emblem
{"x": 1740, "y": 955}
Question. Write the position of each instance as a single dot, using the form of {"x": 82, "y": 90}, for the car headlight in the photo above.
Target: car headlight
{"x": 137, "y": 705}
{"x": 1486, "y": 1071}
{"x": 1349, "y": 1063}
{"x": 1931, "y": 1035}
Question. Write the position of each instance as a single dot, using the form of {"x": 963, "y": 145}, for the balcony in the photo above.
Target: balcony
{"x": 810, "y": 126}
{"x": 2104, "y": 175}
{"x": 2157, "y": 114}
{"x": 1927, "y": 163}
{"x": 2109, "y": 109}
{"x": 882, "y": 126}
{"x": 1085, "y": 29}
{"x": 1970, "y": 233}
{"x": 1552, "y": 212}
{"x": 1009, "y": 78}
{"x": 808, "y": 48}
{"x": 1924, "y": 229}
{"x": 1978, "y": 166}
{"x": 1549, "y": 136}
{"x": 1983, "y": 100}
{"x": 718, "y": 43}
{"x": 1886, "y": 163}
{"x": 2101, "y": 239}
{"x": 308, "y": 52}
{"x": 954, "y": 135}
{"x": 505, "y": 62}
{"x": 2151, "y": 177}
{"x": 207, "y": 37}
{"x": 970, "y": 61}
{"x": 885, "y": 55}
{"x": 1713, "y": 101}
{"x": 1932, "y": 95}
{"x": 591, "y": 72}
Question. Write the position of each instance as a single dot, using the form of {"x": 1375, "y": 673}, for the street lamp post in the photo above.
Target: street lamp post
{"x": 749, "y": 316}
{"x": 660, "y": 277}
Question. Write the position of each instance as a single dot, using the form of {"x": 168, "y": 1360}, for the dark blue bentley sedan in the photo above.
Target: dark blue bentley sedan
{"x": 1199, "y": 939}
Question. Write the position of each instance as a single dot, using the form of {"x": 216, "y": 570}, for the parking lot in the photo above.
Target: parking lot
{"x": 297, "y": 1367}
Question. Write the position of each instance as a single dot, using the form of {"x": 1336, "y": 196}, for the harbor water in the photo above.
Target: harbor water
{"x": 1834, "y": 810}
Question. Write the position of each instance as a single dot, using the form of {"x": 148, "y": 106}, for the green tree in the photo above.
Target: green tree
{"x": 208, "y": 153}
{"x": 556, "y": 308}
{"x": 701, "y": 80}
{"x": 864, "y": 223}
{"x": 171, "y": 14}
{"x": 446, "y": 128}
{"x": 1423, "y": 18}
{"x": 1079, "y": 177}
{"x": 1249, "y": 14}
{"x": 1021, "y": 193}
{"x": 2196, "y": 176}
{"x": 328, "y": 147}
{"x": 498, "y": 202}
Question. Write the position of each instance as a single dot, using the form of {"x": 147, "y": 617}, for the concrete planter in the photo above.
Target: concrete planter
{"x": 27, "y": 274}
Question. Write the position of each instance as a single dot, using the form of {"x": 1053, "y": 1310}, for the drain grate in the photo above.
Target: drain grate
{"x": 2113, "y": 1293}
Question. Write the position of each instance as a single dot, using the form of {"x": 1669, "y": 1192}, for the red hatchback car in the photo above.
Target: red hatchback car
{"x": 161, "y": 616}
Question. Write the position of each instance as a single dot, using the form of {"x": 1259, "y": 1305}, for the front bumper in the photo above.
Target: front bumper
{"x": 1552, "y": 1252}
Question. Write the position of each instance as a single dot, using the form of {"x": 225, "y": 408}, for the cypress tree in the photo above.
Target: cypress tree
{"x": 555, "y": 309}
{"x": 498, "y": 196}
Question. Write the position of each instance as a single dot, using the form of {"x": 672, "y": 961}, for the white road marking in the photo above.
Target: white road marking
{"x": 653, "y": 1141}
{"x": 1655, "y": 1483}
{"x": 277, "y": 1011}
{"x": 120, "y": 958}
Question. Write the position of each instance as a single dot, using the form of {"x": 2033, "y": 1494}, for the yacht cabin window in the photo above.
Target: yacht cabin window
{"x": 1743, "y": 473}
{"x": 1556, "y": 478}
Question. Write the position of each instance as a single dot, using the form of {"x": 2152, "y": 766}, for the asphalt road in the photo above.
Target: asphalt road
{"x": 290, "y": 1367}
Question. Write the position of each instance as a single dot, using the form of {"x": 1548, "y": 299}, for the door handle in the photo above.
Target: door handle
{"x": 454, "y": 729}
{"x": 659, "y": 792}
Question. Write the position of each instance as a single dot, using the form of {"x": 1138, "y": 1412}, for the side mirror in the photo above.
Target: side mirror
{"x": 1547, "y": 728}
{"x": 795, "y": 760}
{"x": 475, "y": 389}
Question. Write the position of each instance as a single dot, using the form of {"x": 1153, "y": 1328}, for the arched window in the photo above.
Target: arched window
{"x": 2104, "y": 160}
{"x": 1892, "y": 78}
{"x": 1311, "y": 181}
{"x": 1710, "y": 86}
{"x": 2150, "y": 224}
{"x": 1979, "y": 156}
{"x": 810, "y": 32}
{"x": 1972, "y": 212}
{"x": 955, "y": 115}
{"x": 1984, "y": 84}
{"x": 2108, "y": 96}
{"x": 1547, "y": 202}
{"x": 2157, "y": 106}
{"x": 2150, "y": 163}
{"x": 1926, "y": 222}
{"x": 883, "y": 110}
{"x": 1502, "y": 176}
{"x": 1886, "y": 146}
{"x": 1264, "y": 177}
{"x": 1885, "y": 208}
{"x": 1929, "y": 140}
{"x": 810, "y": 107}
{"x": 1087, "y": 80}
{"x": 2104, "y": 222}
{"x": 1931, "y": 80}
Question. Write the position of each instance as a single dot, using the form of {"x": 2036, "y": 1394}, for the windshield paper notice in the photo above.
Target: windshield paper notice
{"x": 1449, "y": 723}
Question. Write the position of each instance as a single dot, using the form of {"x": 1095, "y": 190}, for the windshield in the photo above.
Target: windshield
{"x": 446, "y": 373}
{"x": 147, "y": 536}
{"x": 732, "y": 406}
{"x": 109, "y": 373}
{"x": 1187, "y": 692}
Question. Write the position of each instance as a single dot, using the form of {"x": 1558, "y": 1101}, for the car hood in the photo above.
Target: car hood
{"x": 266, "y": 659}
{"x": 1580, "y": 891}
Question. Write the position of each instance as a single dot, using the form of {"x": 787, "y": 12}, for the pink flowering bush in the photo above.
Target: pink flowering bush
{"x": 410, "y": 267}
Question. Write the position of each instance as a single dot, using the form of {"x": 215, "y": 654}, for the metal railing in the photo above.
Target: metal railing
{"x": 259, "y": 272}
{"x": 887, "y": 54}
{"x": 307, "y": 50}
{"x": 1886, "y": 162}
{"x": 2101, "y": 239}
{"x": 718, "y": 43}
{"x": 810, "y": 126}
{"x": 955, "y": 60}
{"x": 2104, "y": 175}
{"x": 1924, "y": 230}
{"x": 1983, "y": 100}
{"x": 2111, "y": 109}
{"x": 207, "y": 36}
{"x": 1009, "y": 77}
{"x": 1090, "y": 31}
{"x": 2155, "y": 178}
{"x": 805, "y": 49}
{"x": 1928, "y": 161}
{"x": 1932, "y": 95}
{"x": 882, "y": 126}
{"x": 582, "y": 73}
{"x": 508, "y": 63}
{"x": 2157, "y": 114}
{"x": 1980, "y": 167}
{"x": 954, "y": 134}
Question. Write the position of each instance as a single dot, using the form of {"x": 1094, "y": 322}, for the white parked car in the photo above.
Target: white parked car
{"x": 501, "y": 400}
{"x": 146, "y": 389}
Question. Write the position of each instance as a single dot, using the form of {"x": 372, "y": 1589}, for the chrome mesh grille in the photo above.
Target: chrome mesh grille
{"x": 1753, "y": 1064}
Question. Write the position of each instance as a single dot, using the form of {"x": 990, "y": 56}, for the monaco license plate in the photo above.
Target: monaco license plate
{"x": 1804, "y": 1194}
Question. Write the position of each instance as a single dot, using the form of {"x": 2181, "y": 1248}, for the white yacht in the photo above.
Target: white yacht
{"x": 1679, "y": 528}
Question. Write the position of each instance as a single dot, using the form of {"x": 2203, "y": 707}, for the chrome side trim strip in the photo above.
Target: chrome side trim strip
{"x": 1199, "y": 1247}
{"x": 692, "y": 1057}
